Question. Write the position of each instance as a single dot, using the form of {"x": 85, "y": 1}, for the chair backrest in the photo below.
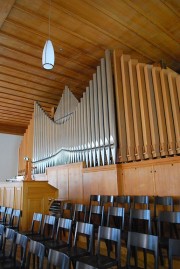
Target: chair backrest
{"x": 49, "y": 224}
{"x": 94, "y": 200}
{"x": 140, "y": 214}
{"x": 21, "y": 244}
{"x": 174, "y": 251}
{"x": 117, "y": 214}
{"x": 141, "y": 201}
{"x": 79, "y": 213}
{"x": 96, "y": 215}
{"x": 58, "y": 260}
{"x": 15, "y": 220}
{"x": 36, "y": 223}
{"x": 168, "y": 217}
{"x": 67, "y": 210}
{"x": 84, "y": 229}
{"x": 165, "y": 202}
{"x": 8, "y": 216}
{"x": 123, "y": 201}
{"x": 112, "y": 235}
{"x": 107, "y": 199}
{"x": 64, "y": 224}
{"x": 2, "y": 229}
{"x": 143, "y": 241}
{"x": 2, "y": 213}
{"x": 37, "y": 251}
{"x": 8, "y": 242}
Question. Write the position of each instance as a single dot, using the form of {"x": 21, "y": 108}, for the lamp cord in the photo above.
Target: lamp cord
{"x": 49, "y": 16}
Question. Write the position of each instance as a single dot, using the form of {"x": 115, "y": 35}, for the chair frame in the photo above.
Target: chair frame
{"x": 145, "y": 242}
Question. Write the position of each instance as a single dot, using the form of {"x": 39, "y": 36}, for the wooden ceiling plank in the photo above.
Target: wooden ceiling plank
{"x": 11, "y": 71}
{"x": 5, "y": 7}
{"x": 122, "y": 13}
{"x": 9, "y": 57}
{"x": 4, "y": 88}
{"x": 101, "y": 20}
{"x": 162, "y": 13}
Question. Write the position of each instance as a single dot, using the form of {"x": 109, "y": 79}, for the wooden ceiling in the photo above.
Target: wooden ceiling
{"x": 80, "y": 30}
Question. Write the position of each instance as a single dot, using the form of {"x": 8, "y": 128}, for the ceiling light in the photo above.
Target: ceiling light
{"x": 48, "y": 56}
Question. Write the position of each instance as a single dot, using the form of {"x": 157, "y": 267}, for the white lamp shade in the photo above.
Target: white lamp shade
{"x": 48, "y": 55}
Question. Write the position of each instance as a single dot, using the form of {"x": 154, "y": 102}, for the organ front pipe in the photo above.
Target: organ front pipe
{"x": 120, "y": 111}
{"x": 100, "y": 113}
{"x": 144, "y": 112}
{"x": 136, "y": 109}
{"x": 105, "y": 111}
{"x": 155, "y": 144}
{"x": 92, "y": 119}
{"x": 96, "y": 120}
{"x": 111, "y": 106}
{"x": 85, "y": 126}
{"x": 160, "y": 110}
{"x": 89, "y": 136}
{"x": 128, "y": 107}
{"x": 175, "y": 109}
{"x": 168, "y": 112}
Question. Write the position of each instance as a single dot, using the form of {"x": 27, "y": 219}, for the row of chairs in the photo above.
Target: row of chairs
{"x": 17, "y": 252}
{"x": 10, "y": 217}
{"x": 52, "y": 238}
{"x": 85, "y": 256}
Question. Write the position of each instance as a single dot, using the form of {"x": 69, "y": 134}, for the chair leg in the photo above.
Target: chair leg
{"x": 161, "y": 256}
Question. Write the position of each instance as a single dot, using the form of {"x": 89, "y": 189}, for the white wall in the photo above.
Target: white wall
{"x": 9, "y": 145}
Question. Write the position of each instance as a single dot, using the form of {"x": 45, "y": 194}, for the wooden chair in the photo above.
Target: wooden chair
{"x": 16, "y": 261}
{"x": 164, "y": 203}
{"x": 36, "y": 251}
{"x": 105, "y": 261}
{"x": 2, "y": 214}
{"x": 174, "y": 251}
{"x": 138, "y": 220}
{"x": 2, "y": 229}
{"x": 67, "y": 211}
{"x": 35, "y": 225}
{"x": 15, "y": 220}
{"x": 166, "y": 222}
{"x": 115, "y": 219}
{"x": 141, "y": 201}
{"x": 76, "y": 251}
{"x": 64, "y": 225}
{"x": 47, "y": 232}
{"x": 144, "y": 241}
{"x": 8, "y": 244}
{"x": 96, "y": 217}
{"x": 58, "y": 260}
{"x": 7, "y": 216}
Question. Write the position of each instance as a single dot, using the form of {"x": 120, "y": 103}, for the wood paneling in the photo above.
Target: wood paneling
{"x": 29, "y": 196}
{"x": 83, "y": 30}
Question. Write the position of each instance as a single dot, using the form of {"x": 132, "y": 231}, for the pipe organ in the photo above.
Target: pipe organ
{"x": 130, "y": 113}
{"x": 148, "y": 109}
{"x": 82, "y": 131}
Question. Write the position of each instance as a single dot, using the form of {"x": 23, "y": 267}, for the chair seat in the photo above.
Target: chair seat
{"x": 99, "y": 261}
{"x": 75, "y": 252}
{"x": 40, "y": 238}
{"x": 55, "y": 244}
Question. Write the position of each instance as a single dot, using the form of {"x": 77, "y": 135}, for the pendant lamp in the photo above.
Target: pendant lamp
{"x": 48, "y": 56}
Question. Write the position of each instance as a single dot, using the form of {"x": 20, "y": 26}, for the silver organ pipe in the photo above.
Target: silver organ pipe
{"x": 80, "y": 131}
